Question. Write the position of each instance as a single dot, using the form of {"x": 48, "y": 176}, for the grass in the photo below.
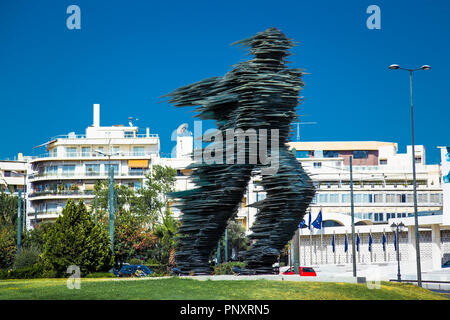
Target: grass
{"x": 188, "y": 289}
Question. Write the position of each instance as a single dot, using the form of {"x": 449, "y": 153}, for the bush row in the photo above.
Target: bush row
{"x": 226, "y": 268}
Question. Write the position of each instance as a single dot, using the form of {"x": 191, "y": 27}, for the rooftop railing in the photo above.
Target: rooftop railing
{"x": 125, "y": 136}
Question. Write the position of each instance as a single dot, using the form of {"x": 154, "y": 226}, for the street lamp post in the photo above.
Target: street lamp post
{"x": 110, "y": 197}
{"x": 353, "y": 217}
{"x": 416, "y": 220}
{"x": 24, "y": 198}
{"x": 398, "y": 228}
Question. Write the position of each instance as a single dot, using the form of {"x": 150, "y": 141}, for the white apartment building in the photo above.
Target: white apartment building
{"x": 383, "y": 194}
{"x": 74, "y": 162}
{"x": 13, "y": 175}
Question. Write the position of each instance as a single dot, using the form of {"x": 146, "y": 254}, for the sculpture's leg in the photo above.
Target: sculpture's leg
{"x": 289, "y": 193}
{"x": 206, "y": 211}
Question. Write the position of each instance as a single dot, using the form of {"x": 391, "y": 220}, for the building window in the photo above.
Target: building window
{"x": 302, "y": 154}
{"x": 358, "y": 154}
{"x": 128, "y": 134}
{"x": 418, "y": 159}
{"x": 334, "y": 198}
{"x": 68, "y": 170}
{"x": 51, "y": 170}
{"x": 345, "y": 198}
{"x": 422, "y": 197}
{"x": 85, "y": 151}
{"x": 435, "y": 198}
{"x": 138, "y": 151}
{"x": 330, "y": 154}
{"x": 114, "y": 166}
{"x": 137, "y": 172}
{"x": 317, "y": 164}
{"x": 378, "y": 198}
{"x": 323, "y": 198}
{"x": 71, "y": 151}
{"x": 92, "y": 169}
{"x": 383, "y": 161}
{"x": 318, "y": 153}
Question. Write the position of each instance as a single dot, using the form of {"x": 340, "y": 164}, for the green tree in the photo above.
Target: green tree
{"x": 8, "y": 229}
{"x": 152, "y": 201}
{"x": 131, "y": 238}
{"x": 237, "y": 241}
{"x": 7, "y": 248}
{"x": 75, "y": 239}
{"x": 164, "y": 248}
{"x": 126, "y": 199}
{"x": 8, "y": 210}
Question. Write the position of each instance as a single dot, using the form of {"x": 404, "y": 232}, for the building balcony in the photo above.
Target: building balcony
{"x": 93, "y": 155}
{"x": 62, "y": 193}
{"x": 87, "y": 175}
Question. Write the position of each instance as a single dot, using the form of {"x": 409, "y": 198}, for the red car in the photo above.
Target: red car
{"x": 304, "y": 271}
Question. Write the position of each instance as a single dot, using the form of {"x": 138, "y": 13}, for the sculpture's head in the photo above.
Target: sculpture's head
{"x": 271, "y": 43}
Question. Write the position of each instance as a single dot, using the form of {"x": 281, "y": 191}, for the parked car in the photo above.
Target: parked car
{"x": 134, "y": 270}
{"x": 446, "y": 265}
{"x": 304, "y": 272}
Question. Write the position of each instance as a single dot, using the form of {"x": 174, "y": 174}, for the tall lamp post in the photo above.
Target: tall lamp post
{"x": 110, "y": 196}
{"x": 398, "y": 228}
{"x": 416, "y": 220}
{"x": 24, "y": 197}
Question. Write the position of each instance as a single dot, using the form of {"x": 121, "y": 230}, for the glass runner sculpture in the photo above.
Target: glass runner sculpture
{"x": 261, "y": 93}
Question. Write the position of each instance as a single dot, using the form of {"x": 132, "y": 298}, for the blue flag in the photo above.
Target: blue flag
{"x": 332, "y": 243}
{"x": 309, "y": 222}
{"x": 302, "y": 224}
{"x": 346, "y": 243}
{"x": 395, "y": 240}
{"x": 384, "y": 242}
{"x": 370, "y": 242}
{"x": 318, "y": 222}
{"x": 357, "y": 242}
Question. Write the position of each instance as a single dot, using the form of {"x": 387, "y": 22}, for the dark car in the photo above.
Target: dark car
{"x": 134, "y": 270}
{"x": 446, "y": 265}
{"x": 304, "y": 271}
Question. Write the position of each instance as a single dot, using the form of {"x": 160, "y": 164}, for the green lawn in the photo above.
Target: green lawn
{"x": 174, "y": 289}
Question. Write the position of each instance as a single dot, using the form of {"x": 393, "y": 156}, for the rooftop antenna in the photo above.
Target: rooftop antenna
{"x": 130, "y": 120}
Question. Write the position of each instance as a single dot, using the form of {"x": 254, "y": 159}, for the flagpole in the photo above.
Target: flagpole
{"x": 352, "y": 210}
{"x": 321, "y": 243}
{"x": 300, "y": 246}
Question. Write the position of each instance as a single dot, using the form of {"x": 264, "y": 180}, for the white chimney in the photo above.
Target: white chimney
{"x": 96, "y": 115}
{"x": 148, "y": 132}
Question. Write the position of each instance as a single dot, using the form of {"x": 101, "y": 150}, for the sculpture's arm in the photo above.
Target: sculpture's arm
{"x": 193, "y": 94}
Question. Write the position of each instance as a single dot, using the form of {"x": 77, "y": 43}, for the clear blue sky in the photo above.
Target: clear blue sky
{"x": 129, "y": 53}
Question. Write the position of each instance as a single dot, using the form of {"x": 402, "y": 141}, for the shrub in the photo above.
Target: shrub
{"x": 7, "y": 247}
{"x": 26, "y": 258}
{"x": 75, "y": 239}
{"x": 226, "y": 268}
{"x": 3, "y": 274}
{"x": 135, "y": 261}
{"x": 30, "y": 272}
